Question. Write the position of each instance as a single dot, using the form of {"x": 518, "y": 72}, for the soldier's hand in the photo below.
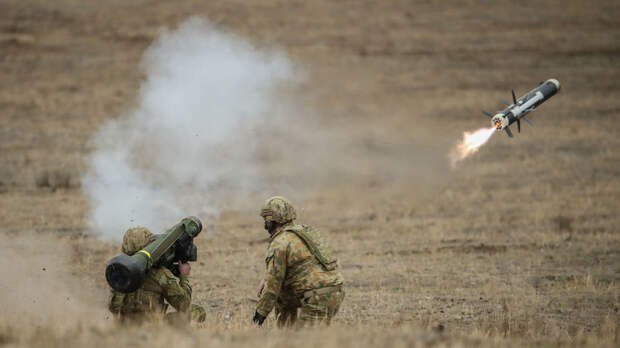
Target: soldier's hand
{"x": 184, "y": 268}
{"x": 258, "y": 319}
{"x": 261, "y": 286}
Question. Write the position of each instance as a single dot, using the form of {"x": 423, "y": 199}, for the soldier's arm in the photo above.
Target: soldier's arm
{"x": 274, "y": 277}
{"x": 116, "y": 302}
{"x": 177, "y": 293}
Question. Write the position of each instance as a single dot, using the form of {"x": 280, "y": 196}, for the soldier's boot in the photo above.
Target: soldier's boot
{"x": 321, "y": 305}
{"x": 198, "y": 313}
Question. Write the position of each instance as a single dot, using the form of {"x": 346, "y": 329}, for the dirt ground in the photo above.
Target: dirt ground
{"x": 519, "y": 245}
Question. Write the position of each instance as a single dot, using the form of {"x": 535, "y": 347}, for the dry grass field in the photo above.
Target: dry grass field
{"x": 519, "y": 245}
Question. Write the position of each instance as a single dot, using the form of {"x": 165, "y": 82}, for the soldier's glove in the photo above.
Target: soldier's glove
{"x": 258, "y": 319}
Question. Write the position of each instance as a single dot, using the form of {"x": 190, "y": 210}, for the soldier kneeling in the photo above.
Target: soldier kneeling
{"x": 301, "y": 272}
{"x": 160, "y": 285}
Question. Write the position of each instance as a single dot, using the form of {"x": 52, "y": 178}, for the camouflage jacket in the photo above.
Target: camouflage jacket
{"x": 293, "y": 269}
{"x": 159, "y": 285}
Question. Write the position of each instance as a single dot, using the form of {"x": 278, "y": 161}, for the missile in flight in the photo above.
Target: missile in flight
{"x": 519, "y": 108}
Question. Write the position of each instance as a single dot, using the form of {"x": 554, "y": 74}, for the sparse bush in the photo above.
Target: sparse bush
{"x": 56, "y": 179}
{"x": 564, "y": 223}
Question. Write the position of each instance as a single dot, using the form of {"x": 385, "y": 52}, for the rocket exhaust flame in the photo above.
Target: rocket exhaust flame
{"x": 472, "y": 141}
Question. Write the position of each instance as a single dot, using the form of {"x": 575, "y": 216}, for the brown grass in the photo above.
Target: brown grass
{"x": 518, "y": 246}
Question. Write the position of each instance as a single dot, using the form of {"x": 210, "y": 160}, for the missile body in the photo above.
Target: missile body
{"x": 522, "y": 106}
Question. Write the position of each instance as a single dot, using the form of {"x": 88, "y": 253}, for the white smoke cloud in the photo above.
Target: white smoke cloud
{"x": 208, "y": 99}
{"x": 221, "y": 123}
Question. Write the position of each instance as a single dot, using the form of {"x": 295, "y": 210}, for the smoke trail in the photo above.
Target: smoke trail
{"x": 207, "y": 100}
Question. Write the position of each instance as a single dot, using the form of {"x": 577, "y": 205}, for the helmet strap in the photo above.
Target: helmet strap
{"x": 271, "y": 226}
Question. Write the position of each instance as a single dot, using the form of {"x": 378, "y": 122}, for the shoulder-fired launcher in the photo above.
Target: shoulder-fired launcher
{"x": 126, "y": 273}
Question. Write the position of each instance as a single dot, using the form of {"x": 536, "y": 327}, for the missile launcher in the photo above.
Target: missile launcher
{"x": 126, "y": 273}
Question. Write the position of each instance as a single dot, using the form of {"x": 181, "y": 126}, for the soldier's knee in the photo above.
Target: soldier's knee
{"x": 313, "y": 317}
{"x": 313, "y": 312}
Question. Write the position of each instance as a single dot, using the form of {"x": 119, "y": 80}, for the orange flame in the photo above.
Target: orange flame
{"x": 471, "y": 144}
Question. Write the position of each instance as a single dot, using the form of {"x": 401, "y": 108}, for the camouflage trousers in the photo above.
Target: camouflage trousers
{"x": 197, "y": 314}
{"x": 316, "y": 308}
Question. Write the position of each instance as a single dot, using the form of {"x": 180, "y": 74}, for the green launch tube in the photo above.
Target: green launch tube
{"x": 126, "y": 273}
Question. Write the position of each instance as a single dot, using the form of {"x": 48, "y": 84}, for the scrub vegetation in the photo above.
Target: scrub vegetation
{"x": 518, "y": 245}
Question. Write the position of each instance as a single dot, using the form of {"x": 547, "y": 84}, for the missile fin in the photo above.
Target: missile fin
{"x": 505, "y": 101}
{"x": 487, "y": 113}
{"x": 528, "y": 121}
{"x": 514, "y": 99}
{"x": 508, "y": 132}
{"x": 519, "y": 125}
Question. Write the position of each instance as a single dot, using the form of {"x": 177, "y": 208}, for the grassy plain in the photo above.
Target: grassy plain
{"x": 519, "y": 245}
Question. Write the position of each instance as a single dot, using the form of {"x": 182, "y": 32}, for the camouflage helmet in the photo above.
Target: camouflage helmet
{"x": 135, "y": 239}
{"x": 278, "y": 209}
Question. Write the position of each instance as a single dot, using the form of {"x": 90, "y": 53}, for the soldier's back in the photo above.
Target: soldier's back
{"x": 310, "y": 264}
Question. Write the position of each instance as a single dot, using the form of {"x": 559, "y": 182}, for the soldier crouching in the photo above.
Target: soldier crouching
{"x": 301, "y": 280}
{"x": 159, "y": 286}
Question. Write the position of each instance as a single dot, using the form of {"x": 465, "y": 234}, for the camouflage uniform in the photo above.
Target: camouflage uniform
{"x": 301, "y": 272}
{"x": 159, "y": 285}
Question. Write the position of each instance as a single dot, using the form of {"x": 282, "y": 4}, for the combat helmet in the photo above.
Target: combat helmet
{"x": 278, "y": 209}
{"x": 135, "y": 239}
